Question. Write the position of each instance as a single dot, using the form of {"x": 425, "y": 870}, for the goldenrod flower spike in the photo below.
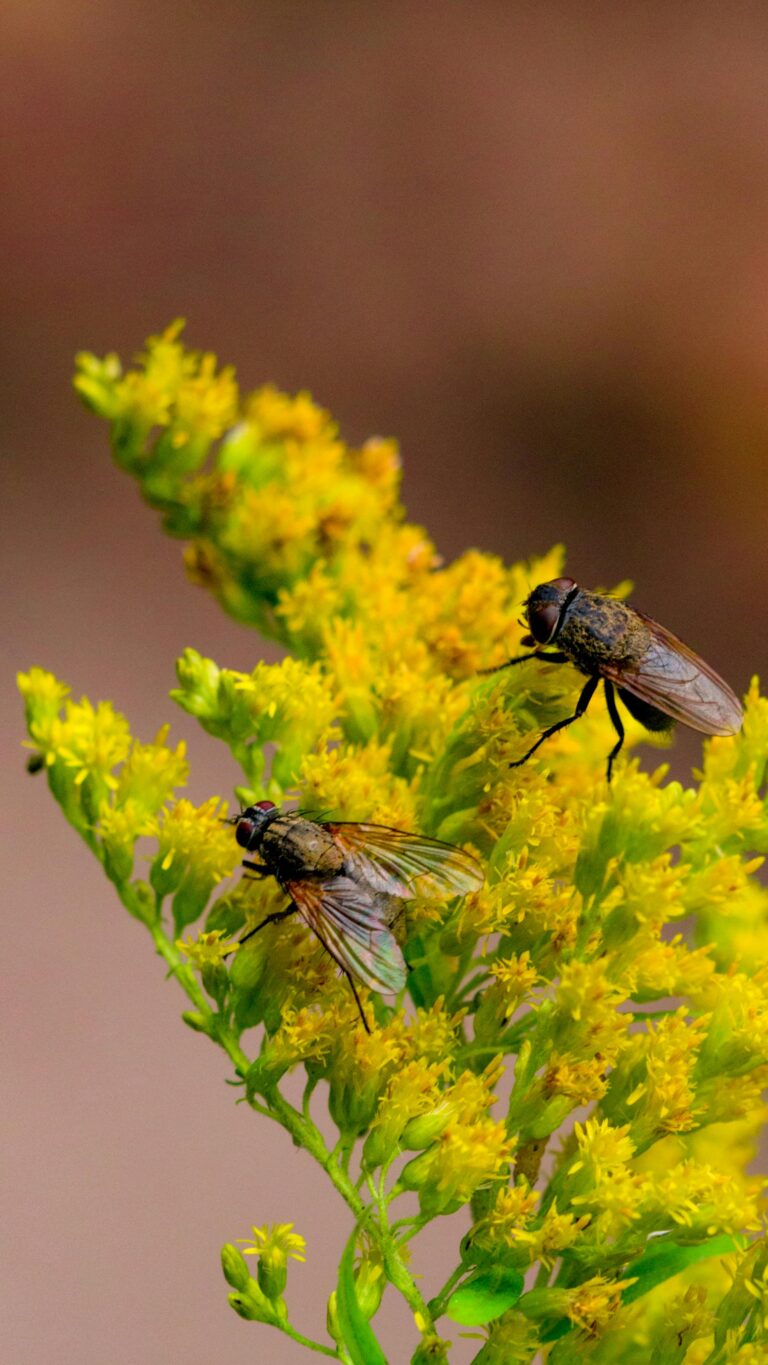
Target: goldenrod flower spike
{"x": 578, "y": 1058}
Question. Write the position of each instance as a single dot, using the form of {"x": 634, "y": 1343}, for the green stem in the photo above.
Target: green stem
{"x": 438, "y": 1304}
{"x": 304, "y": 1134}
{"x": 181, "y": 971}
{"x": 308, "y": 1342}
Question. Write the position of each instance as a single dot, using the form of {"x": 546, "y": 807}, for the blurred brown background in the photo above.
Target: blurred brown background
{"x": 531, "y": 242}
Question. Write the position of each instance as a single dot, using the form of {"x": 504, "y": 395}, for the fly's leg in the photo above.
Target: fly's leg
{"x": 556, "y": 658}
{"x": 271, "y": 919}
{"x": 613, "y": 712}
{"x": 351, "y": 981}
{"x": 258, "y": 868}
{"x": 587, "y": 694}
{"x": 346, "y": 972}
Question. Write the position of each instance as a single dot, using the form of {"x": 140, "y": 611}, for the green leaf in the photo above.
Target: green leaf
{"x": 485, "y": 1296}
{"x": 359, "y": 1339}
{"x": 663, "y": 1259}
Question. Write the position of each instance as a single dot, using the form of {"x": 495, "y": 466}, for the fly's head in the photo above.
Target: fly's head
{"x": 546, "y": 608}
{"x": 251, "y": 823}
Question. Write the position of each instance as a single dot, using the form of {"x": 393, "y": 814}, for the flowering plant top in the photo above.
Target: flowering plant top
{"x": 603, "y": 1206}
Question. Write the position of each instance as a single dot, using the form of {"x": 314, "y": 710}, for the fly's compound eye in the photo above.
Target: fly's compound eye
{"x": 244, "y": 831}
{"x": 562, "y": 584}
{"x": 544, "y": 619}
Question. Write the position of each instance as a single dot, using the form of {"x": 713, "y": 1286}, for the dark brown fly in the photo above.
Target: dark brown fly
{"x": 344, "y": 879}
{"x": 658, "y": 678}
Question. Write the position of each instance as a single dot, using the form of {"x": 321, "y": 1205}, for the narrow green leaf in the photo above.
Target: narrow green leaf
{"x": 663, "y": 1259}
{"x": 359, "y": 1339}
{"x": 485, "y": 1296}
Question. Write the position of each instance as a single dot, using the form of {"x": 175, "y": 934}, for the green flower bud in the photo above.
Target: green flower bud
{"x": 165, "y": 875}
{"x": 417, "y": 1171}
{"x": 272, "y": 1272}
{"x": 369, "y": 1286}
{"x": 252, "y": 1305}
{"x": 215, "y": 978}
{"x": 198, "y": 690}
{"x": 139, "y": 901}
{"x": 274, "y": 1246}
{"x": 433, "y": 1201}
{"x": 352, "y": 1108}
{"x": 425, "y": 1129}
{"x": 431, "y": 1351}
{"x": 545, "y": 1303}
{"x": 512, "y": 1338}
{"x": 332, "y": 1323}
{"x": 549, "y": 1118}
{"x": 376, "y": 1149}
{"x": 197, "y": 1022}
{"x": 191, "y": 899}
{"x": 118, "y": 863}
{"x": 233, "y": 1264}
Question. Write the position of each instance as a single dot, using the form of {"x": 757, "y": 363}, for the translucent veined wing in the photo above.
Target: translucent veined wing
{"x": 672, "y": 678}
{"x": 347, "y": 920}
{"x": 403, "y": 864}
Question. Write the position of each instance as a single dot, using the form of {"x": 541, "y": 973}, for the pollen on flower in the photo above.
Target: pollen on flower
{"x": 275, "y": 1241}
{"x": 602, "y": 1147}
{"x": 468, "y": 1154}
{"x": 555, "y": 1232}
{"x": 195, "y": 837}
{"x": 119, "y": 826}
{"x": 507, "y": 1220}
{"x": 356, "y": 781}
{"x": 280, "y": 414}
{"x": 592, "y": 1305}
{"x": 586, "y": 1011}
{"x": 89, "y": 740}
{"x": 208, "y": 948}
{"x": 152, "y": 772}
{"x": 304, "y": 1034}
{"x": 41, "y": 689}
{"x": 582, "y": 1081}
{"x": 413, "y": 1089}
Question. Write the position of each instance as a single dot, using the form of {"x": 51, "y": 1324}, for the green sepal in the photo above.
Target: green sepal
{"x": 485, "y": 1296}
{"x": 139, "y": 901}
{"x": 199, "y": 1023}
{"x": 215, "y": 979}
{"x": 190, "y": 900}
{"x": 227, "y": 915}
{"x": 359, "y": 1340}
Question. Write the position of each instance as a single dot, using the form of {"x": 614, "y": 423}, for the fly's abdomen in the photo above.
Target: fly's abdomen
{"x": 649, "y": 716}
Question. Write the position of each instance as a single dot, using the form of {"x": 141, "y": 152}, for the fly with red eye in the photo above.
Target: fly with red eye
{"x": 657, "y": 677}
{"x": 348, "y": 882}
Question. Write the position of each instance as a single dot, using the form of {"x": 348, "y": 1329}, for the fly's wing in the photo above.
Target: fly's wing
{"x": 351, "y": 925}
{"x": 672, "y": 678}
{"x": 407, "y": 865}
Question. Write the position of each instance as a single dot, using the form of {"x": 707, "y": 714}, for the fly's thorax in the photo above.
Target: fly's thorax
{"x": 599, "y": 630}
{"x": 294, "y": 847}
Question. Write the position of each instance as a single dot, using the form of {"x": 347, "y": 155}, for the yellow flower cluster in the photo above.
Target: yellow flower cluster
{"x": 615, "y": 959}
